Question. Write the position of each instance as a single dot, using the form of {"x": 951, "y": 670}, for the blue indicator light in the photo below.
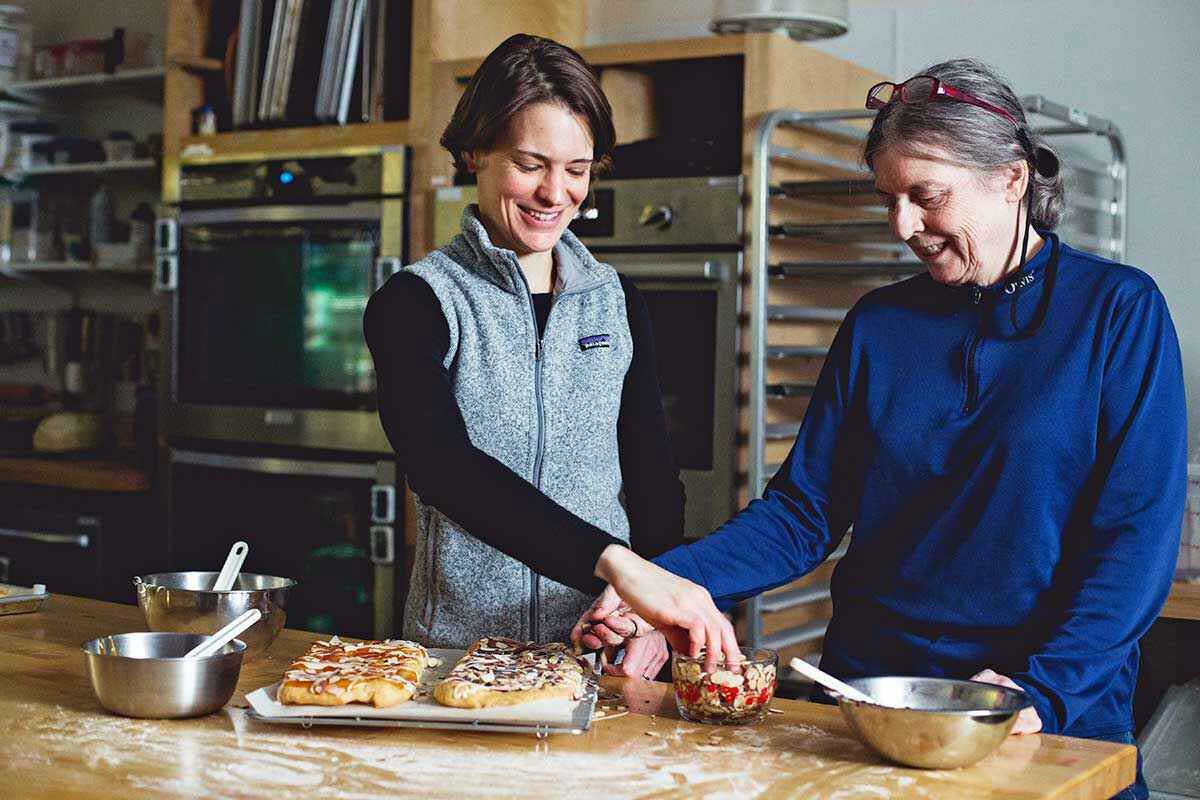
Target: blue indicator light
{"x": 286, "y": 177}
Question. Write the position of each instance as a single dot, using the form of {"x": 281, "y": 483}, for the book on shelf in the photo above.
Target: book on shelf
{"x": 300, "y": 100}
{"x": 304, "y": 62}
{"x": 245, "y": 75}
{"x": 273, "y": 34}
{"x": 349, "y": 63}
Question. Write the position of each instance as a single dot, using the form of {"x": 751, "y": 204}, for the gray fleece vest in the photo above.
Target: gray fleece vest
{"x": 549, "y": 414}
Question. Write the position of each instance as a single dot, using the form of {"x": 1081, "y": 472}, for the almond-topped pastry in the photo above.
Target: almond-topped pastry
{"x": 506, "y": 672}
{"x": 334, "y": 673}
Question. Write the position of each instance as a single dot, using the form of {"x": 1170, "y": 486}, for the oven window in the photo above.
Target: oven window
{"x": 685, "y": 325}
{"x": 271, "y": 315}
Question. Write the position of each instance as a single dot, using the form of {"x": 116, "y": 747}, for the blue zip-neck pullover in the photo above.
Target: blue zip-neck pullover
{"x": 1016, "y": 491}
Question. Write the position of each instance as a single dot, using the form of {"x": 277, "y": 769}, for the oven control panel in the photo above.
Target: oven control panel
{"x": 698, "y": 212}
{"x": 289, "y": 180}
{"x": 654, "y": 212}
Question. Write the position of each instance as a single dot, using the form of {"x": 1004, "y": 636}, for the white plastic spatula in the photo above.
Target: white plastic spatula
{"x": 214, "y": 643}
{"x": 233, "y": 565}
{"x": 830, "y": 682}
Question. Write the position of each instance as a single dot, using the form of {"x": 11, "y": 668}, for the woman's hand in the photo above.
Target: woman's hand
{"x": 681, "y": 610}
{"x": 644, "y": 657}
{"x": 594, "y": 630}
{"x": 1028, "y": 720}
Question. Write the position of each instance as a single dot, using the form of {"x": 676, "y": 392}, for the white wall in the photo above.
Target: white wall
{"x": 1135, "y": 63}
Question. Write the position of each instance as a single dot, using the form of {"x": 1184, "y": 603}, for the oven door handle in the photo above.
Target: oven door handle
{"x": 673, "y": 270}
{"x": 276, "y": 466}
{"x": 363, "y": 210}
{"x": 78, "y": 539}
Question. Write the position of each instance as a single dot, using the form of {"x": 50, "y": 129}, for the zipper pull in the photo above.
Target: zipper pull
{"x": 976, "y": 295}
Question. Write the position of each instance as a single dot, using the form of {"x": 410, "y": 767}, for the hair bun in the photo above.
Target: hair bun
{"x": 1045, "y": 161}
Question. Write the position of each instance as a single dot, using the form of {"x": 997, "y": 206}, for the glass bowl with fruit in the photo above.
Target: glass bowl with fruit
{"x": 729, "y": 694}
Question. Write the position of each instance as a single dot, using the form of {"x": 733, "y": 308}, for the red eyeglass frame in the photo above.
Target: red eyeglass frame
{"x": 937, "y": 88}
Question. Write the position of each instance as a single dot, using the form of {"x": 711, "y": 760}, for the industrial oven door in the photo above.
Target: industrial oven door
{"x": 266, "y": 334}
{"x": 693, "y": 301}
{"x": 329, "y": 524}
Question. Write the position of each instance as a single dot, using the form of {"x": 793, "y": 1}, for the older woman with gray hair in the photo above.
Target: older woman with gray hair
{"x": 1005, "y": 432}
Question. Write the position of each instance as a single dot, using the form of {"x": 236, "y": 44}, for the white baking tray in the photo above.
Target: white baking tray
{"x": 541, "y": 717}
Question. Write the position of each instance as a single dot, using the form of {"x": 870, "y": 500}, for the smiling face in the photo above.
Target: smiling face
{"x": 960, "y": 221}
{"x": 534, "y": 179}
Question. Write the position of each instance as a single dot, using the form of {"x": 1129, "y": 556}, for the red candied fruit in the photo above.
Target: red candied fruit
{"x": 690, "y": 692}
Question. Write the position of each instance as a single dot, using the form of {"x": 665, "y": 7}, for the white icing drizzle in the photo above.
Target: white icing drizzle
{"x": 508, "y": 665}
{"x": 335, "y": 666}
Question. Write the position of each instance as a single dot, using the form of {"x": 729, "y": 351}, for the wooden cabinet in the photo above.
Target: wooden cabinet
{"x": 440, "y": 30}
{"x": 78, "y": 530}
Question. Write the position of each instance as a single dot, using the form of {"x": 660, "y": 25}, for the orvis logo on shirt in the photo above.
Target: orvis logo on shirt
{"x": 592, "y": 342}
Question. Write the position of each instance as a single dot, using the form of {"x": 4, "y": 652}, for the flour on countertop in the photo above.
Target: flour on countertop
{"x": 173, "y": 758}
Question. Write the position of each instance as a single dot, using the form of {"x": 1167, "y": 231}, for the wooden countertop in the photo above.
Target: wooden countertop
{"x": 56, "y": 741}
{"x": 86, "y": 474}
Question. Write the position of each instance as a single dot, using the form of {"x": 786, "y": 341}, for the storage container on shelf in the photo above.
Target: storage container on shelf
{"x": 16, "y": 45}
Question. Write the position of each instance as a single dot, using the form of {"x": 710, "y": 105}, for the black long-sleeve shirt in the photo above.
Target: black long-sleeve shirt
{"x": 408, "y": 336}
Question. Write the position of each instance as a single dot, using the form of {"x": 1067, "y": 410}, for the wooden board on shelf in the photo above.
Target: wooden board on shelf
{"x": 86, "y": 475}
{"x": 1183, "y": 602}
{"x": 282, "y": 142}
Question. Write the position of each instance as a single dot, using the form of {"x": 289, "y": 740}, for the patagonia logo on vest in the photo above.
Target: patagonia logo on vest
{"x": 592, "y": 342}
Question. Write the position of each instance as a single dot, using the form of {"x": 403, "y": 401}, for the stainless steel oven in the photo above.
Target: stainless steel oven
{"x": 329, "y": 523}
{"x": 269, "y": 405}
{"x": 269, "y": 266}
{"x": 680, "y": 241}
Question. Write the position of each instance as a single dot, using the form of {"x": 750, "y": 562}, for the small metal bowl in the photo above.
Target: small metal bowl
{"x": 145, "y": 674}
{"x": 936, "y": 723}
{"x": 184, "y": 602}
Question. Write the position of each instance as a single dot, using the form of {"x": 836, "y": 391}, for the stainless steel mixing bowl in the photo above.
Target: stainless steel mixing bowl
{"x": 938, "y": 723}
{"x": 185, "y": 602}
{"x": 145, "y": 674}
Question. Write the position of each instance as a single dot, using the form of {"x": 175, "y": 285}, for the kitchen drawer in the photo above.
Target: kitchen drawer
{"x": 88, "y": 544}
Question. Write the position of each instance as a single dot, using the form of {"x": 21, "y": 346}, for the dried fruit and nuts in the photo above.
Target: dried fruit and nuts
{"x": 736, "y": 694}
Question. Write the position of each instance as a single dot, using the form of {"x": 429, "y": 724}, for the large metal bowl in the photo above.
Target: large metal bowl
{"x": 936, "y": 723}
{"x": 145, "y": 675}
{"x": 184, "y": 602}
